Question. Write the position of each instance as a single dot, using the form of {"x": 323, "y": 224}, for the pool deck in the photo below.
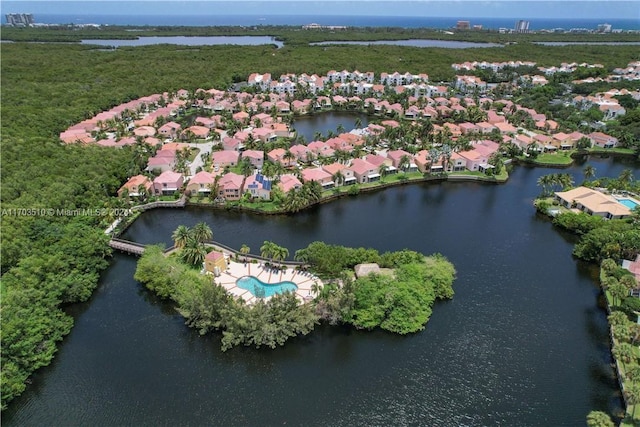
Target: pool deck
{"x": 303, "y": 280}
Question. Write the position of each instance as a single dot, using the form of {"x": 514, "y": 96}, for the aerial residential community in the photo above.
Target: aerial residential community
{"x": 360, "y": 213}
{"x": 457, "y": 128}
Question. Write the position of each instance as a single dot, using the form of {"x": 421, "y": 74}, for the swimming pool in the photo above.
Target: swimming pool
{"x": 260, "y": 289}
{"x": 631, "y": 204}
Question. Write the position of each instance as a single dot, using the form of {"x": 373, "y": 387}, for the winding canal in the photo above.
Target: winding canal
{"x": 524, "y": 341}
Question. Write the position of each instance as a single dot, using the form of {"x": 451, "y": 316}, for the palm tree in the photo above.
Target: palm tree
{"x": 244, "y": 250}
{"x": 142, "y": 193}
{"x": 315, "y": 288}
{"x": 589, "y": 172}
{"x": 180, "y": 236}
{"x": 565, "y": 180}
{"x": 288, "y": 156}
{"x": 382, "y": 170}
{"x": 618, "y": 292}
{"x": 626, "y": 176}
{"x": 404, "y": 163}
{"x": 545, "y": 181}
{"x": 434, "y": 156}
{"x": 266, "y": 250}
{"x": 193, "y": 252}
{"x": 246, "y": 167}
{"x": 633, "y": 397}
{"x": 281, "y": 253}
{"x": 624, "y": 351}
{"x": 617, "y": 318}
{"x": 599, "y": 419}
{"x": 202, "y": 232}
{"x": 338, "y": 178}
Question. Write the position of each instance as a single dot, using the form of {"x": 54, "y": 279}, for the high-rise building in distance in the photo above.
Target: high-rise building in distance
{"x": 604, "y": 28}
{"x": 463, "y": 25}
{"x": 19, "y": 19}
{"x": 522, "y": 26}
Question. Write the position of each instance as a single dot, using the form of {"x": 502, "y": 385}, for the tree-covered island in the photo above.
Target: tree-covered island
{"x": 398, "y": 297}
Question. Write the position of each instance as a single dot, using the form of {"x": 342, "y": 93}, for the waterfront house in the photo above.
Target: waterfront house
{"x": 289, "y": 182}
{"x": 167, "y": 183}
{"x": 477, "y": 159}
{"x": 592, "y": 202}
{"x": 230, "y": 186}
{"x": 364, "y": 171}
{"x": 258, "y": 186}
{"x": 562, "y": 141}
{"x": 348, "y": 177}
{"x": 200, "y": 183}
{"x": 603, "y": 140}
{"x": 422, "y": 161}
{"x": 634, "y": 268}
{"x": 396, "y": 157}
{"x": 320, "y": 176}
{"x": 135, "y": 184}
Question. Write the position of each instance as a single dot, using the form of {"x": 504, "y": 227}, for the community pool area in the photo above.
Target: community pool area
{"x": 252, "y": 281}
{"x": 630, "y": 203}
{"x": 262, "y": 290}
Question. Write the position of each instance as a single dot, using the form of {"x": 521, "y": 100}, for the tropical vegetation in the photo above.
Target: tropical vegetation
{"x": 49, "y": 261}
{"x": 399, "y": 301}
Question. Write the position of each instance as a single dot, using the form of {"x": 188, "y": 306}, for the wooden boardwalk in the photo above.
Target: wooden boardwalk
{"x": 127, "y": 246}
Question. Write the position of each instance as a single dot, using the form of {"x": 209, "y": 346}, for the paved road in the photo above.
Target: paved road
{"x": 204, "y": 148}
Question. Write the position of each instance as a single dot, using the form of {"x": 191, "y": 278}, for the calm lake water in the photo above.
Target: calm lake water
{"x": 307, "y": 126}
{"x": 523, "y": 343}
{"x": 189, "y": 41}
{"x": 448, "y": 44}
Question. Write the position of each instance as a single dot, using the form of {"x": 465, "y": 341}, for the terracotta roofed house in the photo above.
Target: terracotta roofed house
{"x": 289, "y": 182}
{"x": 256, "y": 157}
{"x": 135, "y": 184}
{"x": 364, "y": 171}
{"x": 167, "y": 183}
{"x": 230, "y": 186}
{"x": 224, "y": 158}
{"x": 317, "y": 174}
{"x": 200, "y": 183}
{"x": 258, "y": 186}
{"x": 348, "y": 177}
{"x": 593, "y": 202}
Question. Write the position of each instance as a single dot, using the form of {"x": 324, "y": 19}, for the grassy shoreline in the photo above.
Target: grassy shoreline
{"x": 328, "y": 196}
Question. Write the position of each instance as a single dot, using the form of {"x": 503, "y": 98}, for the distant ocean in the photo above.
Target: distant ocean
{"x": 351, "y": 21}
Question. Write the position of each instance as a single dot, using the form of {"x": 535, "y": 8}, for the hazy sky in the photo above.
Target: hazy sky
{"x": 468, "y": 8}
